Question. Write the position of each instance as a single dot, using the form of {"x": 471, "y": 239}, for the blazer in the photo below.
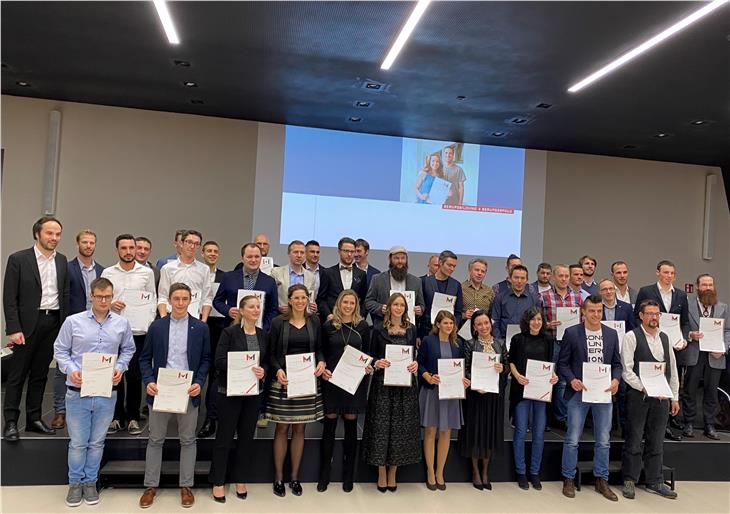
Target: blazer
{"x": 234, "y": 340}
{"x": 156, "y": 271}
{"x": 623, "y": 312}
{"x": 227, "y": 294}
{"x": 77, "y": 291}
{"x": 473, "y": 346}
{"x": 690, "y": 354}
{"x": 679, "y": 305}
{"x": 430, "y": 286}
{"x": 281, "y": 277}
{"x": 574, "y": 352}
{"x": 429, "y": 354}
{"x": 370, "y": 273}
{"x": 279, "y": 342}
{"x": 22, "y": 291}
{"x": 379, "y": 293}
{"x": 330, "y": 287}
{"x": 157, "y": 343}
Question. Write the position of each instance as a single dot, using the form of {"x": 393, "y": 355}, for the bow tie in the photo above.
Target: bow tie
{"x": 345, "y": 268}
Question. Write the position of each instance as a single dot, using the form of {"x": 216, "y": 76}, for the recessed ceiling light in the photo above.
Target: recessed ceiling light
{"x": 23, "y": 83}
{"x": 543, "y": 105}
{"x": 699, "y": 122}
{"x": 189, "y": 83}
{"x": 195, "y": 101}
{"x": 646, "y": 45}
{"x": 405, "y": 34}
{"x": 461, "y": 98}
{"x": 498, "y": 134}
{"x": 354, "y": 119}
{"x": 166, "y": 20}
{"x": 363, "y": 104}
{"x": 661, "y": 135}
{"x": 183, "y": 64}
{"x": 519, "y": 121}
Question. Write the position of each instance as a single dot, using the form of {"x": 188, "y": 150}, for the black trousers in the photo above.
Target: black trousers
{"x": 710, "y": 378}
{"x": 236, "y": 415}
{"x": 31, "y": 361}
{"x": 128, "y": 402}
{"x": 645, "y": 417}
{"x": 216, "y": 326}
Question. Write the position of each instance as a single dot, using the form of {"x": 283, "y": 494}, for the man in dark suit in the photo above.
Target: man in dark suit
{"x": 35, "y": 300}
{"x": 588, "y": 342}
{"x": 182, "y": 342}
{"x": 441, "y": 282}
{"x": 362, "y": 251}
{"x": 341, "y": 276}
{"x": 143, "y": 249}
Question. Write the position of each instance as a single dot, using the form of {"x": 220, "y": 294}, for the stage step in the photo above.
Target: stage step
{"x": 130, "y": 473}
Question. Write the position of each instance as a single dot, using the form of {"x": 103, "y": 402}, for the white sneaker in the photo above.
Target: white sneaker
{"x": 262, "y": 422}
{"x": 134, "y": 428}
{"x": 114, "y": 427}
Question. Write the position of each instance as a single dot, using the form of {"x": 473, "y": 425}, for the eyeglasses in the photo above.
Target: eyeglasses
{"x": 191, "y": 243}
{"x": 652, "y": 314}
{"x": 105, "y": 298}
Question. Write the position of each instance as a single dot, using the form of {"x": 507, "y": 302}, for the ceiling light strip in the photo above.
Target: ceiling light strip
{"x": 166, "y": 20}
{"x": 697, "y": 15}
{"x": 405, "y": 33}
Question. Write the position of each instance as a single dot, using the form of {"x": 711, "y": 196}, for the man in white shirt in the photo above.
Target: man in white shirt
{"x": 312, "y": 251}
{"x": 132, "y": 283}
{"x": 620, "y": 274}
{"x": 142, "y": 254}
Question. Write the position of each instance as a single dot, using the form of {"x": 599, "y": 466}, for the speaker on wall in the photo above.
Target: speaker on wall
{"x": 708, "y": 227}
{"x": 53, "y": 150}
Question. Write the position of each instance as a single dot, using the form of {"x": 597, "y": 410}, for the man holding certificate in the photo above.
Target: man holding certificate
{"x": 449, "y": 289}
{"x": 396, "y": 278}
{"x": 646, "y": 415}
{"x": 176, "y": 353}
{"x": 89, "y": 338}
{"x": 588, "y": 342}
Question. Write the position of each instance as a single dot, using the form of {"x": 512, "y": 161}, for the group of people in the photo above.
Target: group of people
{"x": 186, "y": 314}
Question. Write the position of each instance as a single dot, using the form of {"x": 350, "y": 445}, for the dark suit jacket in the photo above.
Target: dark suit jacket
{"x": 77, "y": 291}
{"x": 370, "y": 273}
{"x": 22, "y": 291}
{"x": 330, "y": 287}
{"x": 379, "y": 294}
{"x": 430, "y": 286}
{"x": 156, "y": 271}
{"x": 429, "y": 354}
{"x": 679, "y": 305}
{"x": 156, "y": 344}
{"x": 625, "y": 313}
{"x": 225, "y": 298}
{"x": 574, "y": 352}
{"x": 234, "y": 340}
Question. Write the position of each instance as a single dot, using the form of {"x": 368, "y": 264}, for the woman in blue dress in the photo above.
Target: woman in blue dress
{"x": 432, "y": 168}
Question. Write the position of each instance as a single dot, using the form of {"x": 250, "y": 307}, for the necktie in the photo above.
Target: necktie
{"x": 248, "y": 282}
{"x": 345, "y": 268}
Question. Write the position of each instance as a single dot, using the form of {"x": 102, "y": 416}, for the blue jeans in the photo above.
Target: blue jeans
{"x": 577, "y": 411}
{"x": 521, "y": 416}
{"x": 559, "y": 406}
{"x": 87, "y": 420}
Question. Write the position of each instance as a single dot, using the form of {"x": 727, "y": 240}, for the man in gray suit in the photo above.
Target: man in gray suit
{"x": 705, "y": 366}
{"x": 396, "y": 278}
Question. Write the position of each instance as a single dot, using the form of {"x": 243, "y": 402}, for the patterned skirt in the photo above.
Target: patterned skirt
{"x": 281, "y": 409}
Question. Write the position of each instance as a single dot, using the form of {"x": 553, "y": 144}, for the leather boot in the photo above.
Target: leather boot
{"x": 327, "y": 446}
{"x": 348, "y": 455}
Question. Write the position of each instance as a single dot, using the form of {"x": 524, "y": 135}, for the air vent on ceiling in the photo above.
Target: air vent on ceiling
{"x": 363, "y": 104}
{"x": 372, "y": 86}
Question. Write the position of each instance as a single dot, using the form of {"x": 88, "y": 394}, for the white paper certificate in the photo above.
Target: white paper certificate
{"x": 596, "y": 379}
{"x": 539, "y": 374}
{"x": 213, "y": 311}
{"x": 712, "y": 339}
{"x": 439, "y": 191}
{"x": 442, "y": 302}
{"x": 196, "y": 300}
{"x": 512, "y": 330}
{"x": 300, "y": 374}
{"x": 653, "y": 379}
{"x": 350, "y": 370}
{"x": 140, "y": 310}
{"x": 97, "y": 371}
{"x": 410, "y": 302}
{"x": 267, "y": 264}
{"x": 465, "y": 330}
{"x": 567, "y": 316}
{"x": 620, "y": 328}
{"x": 451, "y": 373}
{"x": 669, "y": 324}
{"x": 484, "y": 377}
{"x": 241, "y": 380}
{"x": 172, "y": 390}
{"x": 242, "y": 293}
{"x": 400, "y": 357}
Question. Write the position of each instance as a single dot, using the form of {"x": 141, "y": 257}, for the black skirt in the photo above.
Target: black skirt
{"x": 483, "y": 428}
{"x": 339, "y": 401}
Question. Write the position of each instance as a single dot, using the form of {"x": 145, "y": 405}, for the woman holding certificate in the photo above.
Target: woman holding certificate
{"x": 391, "y": 434}
{"x": 483, "y": 410}
{"x": 346, "y": 328}
{"x": 437, "y": 413}
{"x": 238, "y": 403}
{"x": 530, "y": 343}
{"x": 294, "y": 339}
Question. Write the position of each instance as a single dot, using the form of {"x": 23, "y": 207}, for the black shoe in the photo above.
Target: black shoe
{"x": 383, "y": 489}
{"x": 522, "y": 482}
{"x": 322, "y": 486}
{"x": 219, "y": 499}
{"x": 674, "y": 423}
{"x": 296, "y": 487}
{"x": 39, "y": 427}
{"x": 394, "y": 488}
{"x": 279, "y": 489}
{"x": 688, "y": 431}
{"x": 242, "y": 496}
{"x": 711, "y": 433}
{"x": 208, "y": 429}
{"x": 535, "y": 481}
{"x": 488, "y": 486}
{"x": 10, "y": 433}
{"x": 671, "y": 436}
{"x": 347, "y": 486}
{"x": 547, "y": 428}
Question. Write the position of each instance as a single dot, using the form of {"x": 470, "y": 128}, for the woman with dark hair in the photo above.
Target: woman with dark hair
{"x": 432, "y": 168}
{"x": 483, "y": 412}
{"x": 346, "y": 328}
{"x": 392, "y": 433}
{"x": 530, "y": 343}
{"x": 237, "y": 414}
{"x": 292, "y": 333}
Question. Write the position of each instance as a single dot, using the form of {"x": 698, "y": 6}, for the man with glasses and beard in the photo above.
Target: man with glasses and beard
{"x": 396, "y": 278}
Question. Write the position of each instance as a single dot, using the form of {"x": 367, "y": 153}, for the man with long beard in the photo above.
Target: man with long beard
{"x": 396, "y": 278}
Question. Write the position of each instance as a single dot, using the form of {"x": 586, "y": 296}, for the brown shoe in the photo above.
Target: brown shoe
{"x": 148, "y": 497}
{"x": 186, "y": 496}
{"x": 59, "y": 421}
{"x": 602, "y": 487}
{"x": 568, "y": 488}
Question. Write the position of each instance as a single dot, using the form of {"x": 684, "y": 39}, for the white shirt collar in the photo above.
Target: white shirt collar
{"x": 39, "y": 254}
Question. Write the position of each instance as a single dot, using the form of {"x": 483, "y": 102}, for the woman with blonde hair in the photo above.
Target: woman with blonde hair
{"x": 432, "y": 168}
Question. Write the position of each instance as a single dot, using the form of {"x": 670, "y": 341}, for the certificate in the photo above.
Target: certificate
{"x": 512, "y": 330}
{"x": 400, "y": 357}
{"x": 97, "y": 371}
{"x": 350, "y": 371}
{"x": 567, "y": 316}
{"x": 451, "y": 384}
{"x": 172, "y": 390}
{"x": 140, "y": 309}
{"x": 410, "y": 303}
{"x": 242, "y": 293}
{"x": 539, "y": 374}
{"x": 669, "y": 324}
{"x": 712, "y": 339}
{"x": 596, "y": 379}
{"x": 620, "y": 328}
{"x": 652, "y": 378}
{"x": 484, "y": 377}
{"x": 442, "y": 302}
{"x": 196, "y": 300}
{"x": 439, "y": 191}
{"x": 267, "y": 264}
{"x": 213, "y": 311}
{"x": 241, "y": 380}
{"x": 465, "y": 330}
{"x": 300, "y": 374}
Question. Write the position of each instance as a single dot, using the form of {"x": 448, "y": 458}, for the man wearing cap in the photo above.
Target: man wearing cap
{"x": 396, "y": 278}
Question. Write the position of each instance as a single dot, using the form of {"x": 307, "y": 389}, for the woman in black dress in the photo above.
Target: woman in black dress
{"x": 346, "y": 328}
{"x": 392, "y": 433}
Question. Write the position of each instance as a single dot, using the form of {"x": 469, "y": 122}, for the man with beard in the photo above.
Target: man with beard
{"x": 396, "y": 278}
{"x": 620, "y": 274}
{"x": 544, "y": 274}
{"x": 341, "y": 276}
{"x": 705, "y": 366}
{"x": 589, "y": 264}
{"x": 128, "y": 276}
